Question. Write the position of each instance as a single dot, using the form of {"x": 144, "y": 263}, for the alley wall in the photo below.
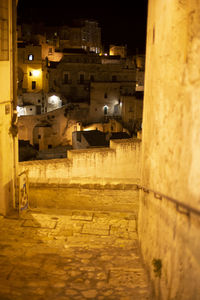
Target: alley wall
{"x": 169, "y": 235}
{"x": 8, "y": 140}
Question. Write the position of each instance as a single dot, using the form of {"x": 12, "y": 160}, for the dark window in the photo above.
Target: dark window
{"x": 30, "y": 73}
{"x": 38, "y": 109}
{"x": 49, "y": 146}
{"x": 33, "y": 85}
{"x": 78, "y": 137}
{"x": 105, "y": 95}
{"x": 39, "y": 136}
{"x": 114, "y": 78}
{"x": 81, "y": 78}
{"x": 66, "y": 78}
{"x": 39, "y": 101}
{"x": 92, "y": 78}
{"x": 116, "y": 109}
{"x": 130, "y": 109}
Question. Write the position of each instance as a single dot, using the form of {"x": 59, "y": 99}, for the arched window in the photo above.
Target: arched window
{"x": 105, "y": 110}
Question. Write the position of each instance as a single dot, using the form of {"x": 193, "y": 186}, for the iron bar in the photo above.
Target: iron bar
{"x": 181, "y": 207}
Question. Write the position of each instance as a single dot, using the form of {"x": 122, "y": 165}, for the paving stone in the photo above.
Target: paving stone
{"x": 71, "y": 255}
{"x": 90, "y": 294}
{"x": 95, "y": 229}
{"x": 84, "y": 216}
{"x": 71, "y": 292}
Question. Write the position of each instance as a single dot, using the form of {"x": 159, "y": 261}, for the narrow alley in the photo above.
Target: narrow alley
{"x": 64, "y": 255}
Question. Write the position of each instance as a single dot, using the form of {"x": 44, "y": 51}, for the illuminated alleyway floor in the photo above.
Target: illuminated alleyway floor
{"x": 67, "y": 255}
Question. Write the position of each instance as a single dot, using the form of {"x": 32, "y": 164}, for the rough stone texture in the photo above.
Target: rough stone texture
{"x": 118, "y": 164}
{"x": 40, "y": 260}
{"x": 171, "y": 147}
{"x": 96, "y": 179}
{"x": 91, "y": 198}
{"x": 8, "y": 144}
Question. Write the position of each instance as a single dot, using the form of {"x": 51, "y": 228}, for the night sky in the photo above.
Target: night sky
{"x": 120, "y": 24}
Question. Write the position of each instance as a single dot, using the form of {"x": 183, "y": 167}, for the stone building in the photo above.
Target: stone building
{"x": 118, "y": 51}
{"x": 132, "y": 111}
{"x": 30, "y": 68}
{"x": 86, "y": 77}
{"x": 89, "y": 139}
{"x": 33, "y": 84}
{"x": 52, "y": 129}
{"x": 64, "y": 66}
{"x": 165, "y": 166}
{"x": 32, "y": 81}
{"x": 84, "y": 34}
{"x": 8, "y": 102}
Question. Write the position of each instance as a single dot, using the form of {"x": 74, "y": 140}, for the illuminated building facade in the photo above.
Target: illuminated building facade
{"x": 118, "y": 51}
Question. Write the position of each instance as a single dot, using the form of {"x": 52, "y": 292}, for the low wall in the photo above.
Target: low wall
{"x": 99, "y": 178}
{"x": 119, "y": 164}
{"x": 85, "y": 197}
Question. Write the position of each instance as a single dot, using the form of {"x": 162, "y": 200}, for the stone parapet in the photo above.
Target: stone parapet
{"x": 119, "y": 164}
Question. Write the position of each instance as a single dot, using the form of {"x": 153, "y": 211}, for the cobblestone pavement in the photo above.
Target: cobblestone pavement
{"x": 67, "y": 255}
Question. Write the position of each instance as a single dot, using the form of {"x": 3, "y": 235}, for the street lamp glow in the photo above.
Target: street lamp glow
{"x": 36, "y": 73}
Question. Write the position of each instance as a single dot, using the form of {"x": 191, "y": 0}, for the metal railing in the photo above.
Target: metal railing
{"x": 180, "y": 207}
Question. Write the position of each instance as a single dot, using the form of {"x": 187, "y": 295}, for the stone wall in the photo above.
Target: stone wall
{"x": 8, "y": 143}
{"x": 60, "y": 130}
{"x": 112, "y": 172}
{"x": 119, "y": 164}
{"x": 171, "y": 149}
{"x": 85, "y": 197}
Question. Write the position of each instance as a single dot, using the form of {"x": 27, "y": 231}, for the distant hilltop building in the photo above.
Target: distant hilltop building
{"x": 118, "y": 51}
{"x": 64, "y": 70}
{"x": 83, "y": 34}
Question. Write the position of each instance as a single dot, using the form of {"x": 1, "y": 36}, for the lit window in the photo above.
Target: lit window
{"x": 30, "y": 57}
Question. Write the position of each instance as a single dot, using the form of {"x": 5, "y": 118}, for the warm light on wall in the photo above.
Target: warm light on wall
{"x": 36, "y": 73}
{"x": 54, "y": 102}
{"x": 54, "y": 99}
